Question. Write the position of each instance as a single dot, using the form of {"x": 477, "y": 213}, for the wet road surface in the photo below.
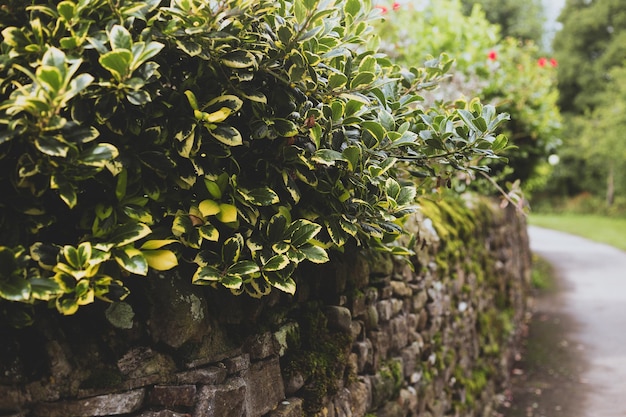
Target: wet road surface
{"x": 584, "y": 360}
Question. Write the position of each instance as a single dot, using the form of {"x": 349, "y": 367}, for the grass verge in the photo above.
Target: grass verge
{"x": 611, "y": 231}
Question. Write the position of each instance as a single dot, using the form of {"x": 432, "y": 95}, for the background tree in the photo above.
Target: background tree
{"x": 591, "y": 42}
{"x": 521, "y": 20}
{"x": 591, "y": 49}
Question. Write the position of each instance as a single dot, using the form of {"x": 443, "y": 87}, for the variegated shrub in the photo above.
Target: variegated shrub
{"x": 236, "y": 138}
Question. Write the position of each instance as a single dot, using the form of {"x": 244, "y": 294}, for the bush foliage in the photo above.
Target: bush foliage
{"x": 506, "y": 72}
{"x": 233, "y": 139}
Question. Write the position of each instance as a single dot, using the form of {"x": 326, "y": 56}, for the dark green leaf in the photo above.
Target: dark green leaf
{"x": 275, "y": 263}
{"x": 243, "y": 268}
{"x": 99, "y": 155}
{"x": 285, "y": 128}
{"x": 143, "y": 52}
{"x": 337, "y": 80}
{"x": 327, "y": 157}
{"x": 43, "y": 253}
{"x": 14, "y": 288}
{"x": 43, "y": 288}
{"x": 276, "y": 228}
{"x": 226, "y": 134}
{"x": 262, "y": 196}
{"x": 66, "y": 190}
{"x": 362, "y": 79}
{"x": 301, "y": 231}
{"x": 239, "y": 59}
{"x": 206, "y": 275}
{"x": 158, "y": 161}
{"x": 287, "y": 285}
{"x": 138, "y": 98}
{"x": 314, "y": 254}
{"x": 52, "y": 146}
{"x": 337, "y": 234}
{"x": 376, "y": 129}
{"x": 231, "y": 249}
{"x": 128, "y": 233}
{"x": 132, "y": 260}
{"x": 189, "y": 47}
{"x": 231, "y": 281}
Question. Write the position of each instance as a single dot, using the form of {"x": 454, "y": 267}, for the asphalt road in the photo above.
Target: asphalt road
{"x": 592, "y": 298}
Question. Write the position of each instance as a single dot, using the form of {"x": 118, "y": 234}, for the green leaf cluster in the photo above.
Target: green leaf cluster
{"x": 232, "y": 138}
{"x": 501, "y": 71}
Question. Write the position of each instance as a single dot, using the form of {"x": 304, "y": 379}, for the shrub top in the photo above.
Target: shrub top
{"x": 231, "y": 138}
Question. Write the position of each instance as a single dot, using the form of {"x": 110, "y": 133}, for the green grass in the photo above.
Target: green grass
{"x": 542, "y": 274}
{"x": 611, "y": 231}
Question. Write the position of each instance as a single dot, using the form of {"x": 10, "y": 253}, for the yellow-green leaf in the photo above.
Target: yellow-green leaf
{"x": 191, "y": 97}
{"x": 217, "y": 116}
{"x": 156, "y": 244}
{"x": 213, "y": 188}
{"x": 209, "y": 208}
{"x": 227, "y": 214}
{"x": 161, "y": 260}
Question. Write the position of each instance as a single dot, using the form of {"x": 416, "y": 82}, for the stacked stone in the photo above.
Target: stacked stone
{"x": 431, "y": 342}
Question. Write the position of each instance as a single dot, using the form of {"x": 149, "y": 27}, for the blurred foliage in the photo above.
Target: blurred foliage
{"x": 509, "y": 73}
{"x": 520, "y": 20}
{"x": 590, "y": 43}
{"x": 591, "y": 49}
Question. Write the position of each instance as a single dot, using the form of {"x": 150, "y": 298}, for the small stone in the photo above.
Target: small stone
{"x": 212, "y": 375}
{"x": 237, "y": 364}
{"x": 225, "y": 400}
{"x": 264, "y": 387}
{"x": 163, "y": 413}
{"x": 339, "y": 318}
{"x": 172, "y": 395}
{"x": 102, "y": 405}
{"x": 384, "y": 309}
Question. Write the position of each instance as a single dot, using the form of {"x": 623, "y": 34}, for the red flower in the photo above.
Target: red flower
{"x": 542, "y": 62}
{"x": 396, "y": 5}
{"x": 382, "y": 8}
{"x": 553, "y": 62}
{"x": 492, "y": 55}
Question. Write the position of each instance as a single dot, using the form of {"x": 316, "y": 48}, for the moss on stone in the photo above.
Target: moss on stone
{"x": 321, "y": 355}
{"x": 102, "y": 378}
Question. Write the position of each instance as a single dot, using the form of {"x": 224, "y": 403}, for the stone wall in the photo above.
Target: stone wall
{"x": 366, "y": 334}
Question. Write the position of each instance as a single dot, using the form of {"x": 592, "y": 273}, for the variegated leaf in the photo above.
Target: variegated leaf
{"x": 314, "y": 254}
{"x": 132, "y": 260}
{"x": 128, "y": 233}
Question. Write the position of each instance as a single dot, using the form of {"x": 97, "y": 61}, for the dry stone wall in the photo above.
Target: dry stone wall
{"x": 366, "y": 335}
